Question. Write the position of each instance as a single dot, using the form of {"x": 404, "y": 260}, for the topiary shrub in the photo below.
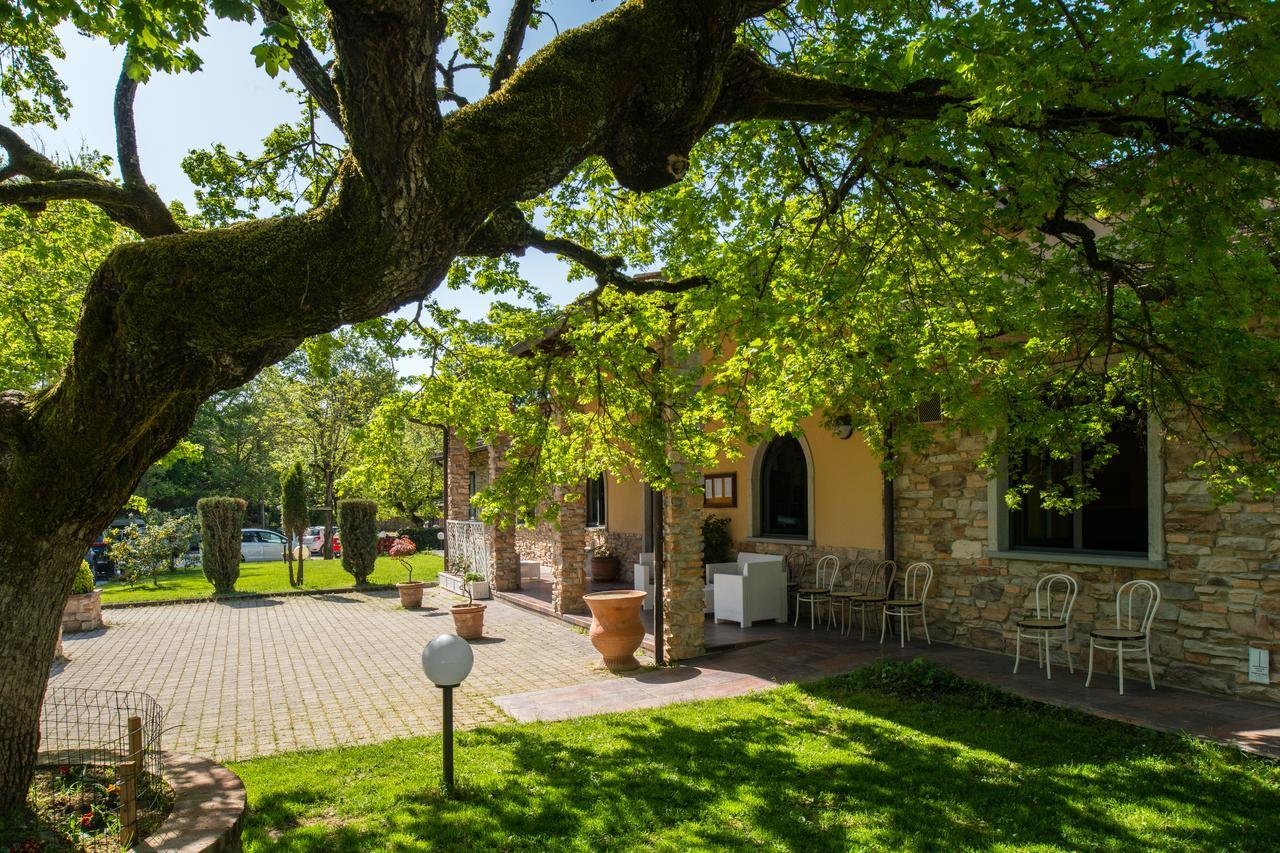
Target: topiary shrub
{"x": 358, "y": 521}
{"x": 84, "y": 580}
{"x": 221, "y": 520}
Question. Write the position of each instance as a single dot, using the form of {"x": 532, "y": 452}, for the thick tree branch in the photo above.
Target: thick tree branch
{"x": 508, "y": 232}
{"x": 755, "y": 90}
{"x": 509, "y": 53}
{"x": 138, "y": 209}
{"x": 313, "y": 76}
{"x": 147, "y": 201}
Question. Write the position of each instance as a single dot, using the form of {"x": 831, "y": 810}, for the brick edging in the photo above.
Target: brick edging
{"x": 208, "y": 808}
{"x": 248, "y": 596}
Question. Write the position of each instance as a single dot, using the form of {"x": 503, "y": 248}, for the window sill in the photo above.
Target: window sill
{"x": 1079, "y": 559}
{"x": 597, "y": 527}
{"x": 779, "y": 540}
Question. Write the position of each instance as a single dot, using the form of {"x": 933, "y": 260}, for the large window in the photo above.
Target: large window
{"x": 1114, "y": 523}
{"x": 595, "y": 502}
{"x": 784, "y": 490}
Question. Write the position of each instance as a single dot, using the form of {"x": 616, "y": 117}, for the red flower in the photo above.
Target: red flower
{"x": 64, "y": 769}
{"x": 86, "y": 820}
{"x": 403, "y": 547}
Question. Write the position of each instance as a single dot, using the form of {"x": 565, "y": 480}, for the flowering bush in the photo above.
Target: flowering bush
{"x": 402, "y": 549}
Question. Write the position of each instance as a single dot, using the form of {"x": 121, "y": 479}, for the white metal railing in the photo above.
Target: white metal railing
{"x": 469, "y": 541}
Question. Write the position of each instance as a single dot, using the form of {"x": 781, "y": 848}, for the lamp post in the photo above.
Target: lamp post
{"x": 447, "y": 662}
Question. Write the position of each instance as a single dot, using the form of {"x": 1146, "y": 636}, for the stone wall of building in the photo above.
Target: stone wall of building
{"x": 1220, "y": 588}
{"x": 627, "y": 546}
{"x": 538, "y": 544}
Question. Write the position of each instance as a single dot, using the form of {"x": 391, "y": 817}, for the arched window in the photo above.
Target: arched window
{"x": 784, "y": 489}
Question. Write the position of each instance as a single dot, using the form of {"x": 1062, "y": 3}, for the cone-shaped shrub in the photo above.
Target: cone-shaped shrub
{"x": 359, "y": 523}
{"x": 220, "y": 522}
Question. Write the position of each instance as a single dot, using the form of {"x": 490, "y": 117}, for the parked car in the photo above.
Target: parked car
{"x": 313, "y": 538}
{"x": 260, "y": 546}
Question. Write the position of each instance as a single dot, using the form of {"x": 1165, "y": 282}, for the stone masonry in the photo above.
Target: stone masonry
{"x": 504, "y": 561}
{"x": 458, "y": 460}
{"x": 569, "y": 566}
{"x": 1221, "y": 586}
{"x": 683, "y": 625}
{"x": 82, "y": 612}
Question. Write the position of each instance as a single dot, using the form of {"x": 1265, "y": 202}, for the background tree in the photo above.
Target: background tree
{"x": 294, "y": 516}
{"x": 322, "y": 395}
{"x": 395, "y": 463}
{"x": 235, "y": 456}
{"x": 885, "y": 176}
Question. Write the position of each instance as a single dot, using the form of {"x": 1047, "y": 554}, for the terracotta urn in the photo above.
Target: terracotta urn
{"x": 410, "y": 594}
{"x": 468, "y": 620}
{"x": 604, "y": 568}
{"x": 616, "y": 629}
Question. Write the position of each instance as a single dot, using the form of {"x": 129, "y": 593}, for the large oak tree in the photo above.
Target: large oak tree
{"x": 807, "y": 171}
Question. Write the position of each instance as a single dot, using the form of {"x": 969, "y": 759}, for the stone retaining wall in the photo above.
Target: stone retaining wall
{"x": 1221, "y": 586}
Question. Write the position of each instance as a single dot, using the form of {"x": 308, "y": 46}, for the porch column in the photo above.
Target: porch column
{"x": 457, "y": 503}
{"x": 569, "y": 580}
{"x": 683, "y": 573}
{"x": 504, "y": 561}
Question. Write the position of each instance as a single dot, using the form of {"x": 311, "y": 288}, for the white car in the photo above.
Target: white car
{"x": 313, "y": 538}
{"x": 260, "y": 546}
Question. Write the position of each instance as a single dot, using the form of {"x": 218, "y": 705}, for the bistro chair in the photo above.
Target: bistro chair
{"x": 1049, "y": 623}
{"x": 915, "y": 585}
{"x": 820, "y": 593}
{"x": 1132, "y": 630}
{"x": 841, "y": 599}
{"x": 873, "y": 595}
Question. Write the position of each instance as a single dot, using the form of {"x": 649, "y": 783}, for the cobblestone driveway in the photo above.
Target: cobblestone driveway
{"x": 256, "y": 676}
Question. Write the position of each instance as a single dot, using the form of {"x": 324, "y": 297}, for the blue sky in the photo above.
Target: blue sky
{"x": 233, "y": 102}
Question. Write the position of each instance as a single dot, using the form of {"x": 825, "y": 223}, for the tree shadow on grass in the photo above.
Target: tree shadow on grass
{"x": 823, "y": 767}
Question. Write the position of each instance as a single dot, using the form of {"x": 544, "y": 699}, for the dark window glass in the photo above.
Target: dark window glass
{"x": 1114, "y": 523}
{"x": 595, "y": 502}
{"x": 784, "y": 489}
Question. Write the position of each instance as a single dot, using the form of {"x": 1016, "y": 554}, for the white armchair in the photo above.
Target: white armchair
{"x": 642, "y": 577}
{"x": 753, "y": 588}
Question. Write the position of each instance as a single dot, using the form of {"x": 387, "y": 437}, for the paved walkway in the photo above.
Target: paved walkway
{"x": 801, "y": 655}
{"x": 256, "y": 676}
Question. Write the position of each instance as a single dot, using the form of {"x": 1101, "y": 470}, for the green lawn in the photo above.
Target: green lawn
{"x": 267, "y": 577}
{"x": 927, "y": 763}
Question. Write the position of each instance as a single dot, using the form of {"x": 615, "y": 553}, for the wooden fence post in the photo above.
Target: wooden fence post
{"x": 128, "y": 803}
{"x": 135, "y": 744}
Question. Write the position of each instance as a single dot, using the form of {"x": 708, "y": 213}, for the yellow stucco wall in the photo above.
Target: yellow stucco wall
{"x": 845, "y": 504}
{"x": 624, "y": 504}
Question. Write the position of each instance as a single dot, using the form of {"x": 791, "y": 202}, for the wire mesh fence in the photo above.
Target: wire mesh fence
{"x": 102, "y": 748}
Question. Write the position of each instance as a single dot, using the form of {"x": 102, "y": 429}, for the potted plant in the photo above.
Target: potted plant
{"x": 604, "y": 563}
{"x": 468, "y": 619}
{"x": 83, "y": 610}
{"x": 411, "y": 590}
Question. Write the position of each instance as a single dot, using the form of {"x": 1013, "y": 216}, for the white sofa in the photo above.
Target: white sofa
{"x": 751, "y": 589}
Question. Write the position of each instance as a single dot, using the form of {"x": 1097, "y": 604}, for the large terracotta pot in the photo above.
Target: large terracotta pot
{"x": 616, "y": 629}
{"x": 410, "y": 594}
{"x": 468, "y": 620}
{"x": 604, "y": 568}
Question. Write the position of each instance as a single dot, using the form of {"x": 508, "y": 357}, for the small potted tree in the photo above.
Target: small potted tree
{"x": 604, "y": 563}
{"x": 468, "y": 619}
{"x": 410, "y": 590}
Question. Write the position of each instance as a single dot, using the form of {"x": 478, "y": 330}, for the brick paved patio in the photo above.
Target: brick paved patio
{"x": 256, "y": 676}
